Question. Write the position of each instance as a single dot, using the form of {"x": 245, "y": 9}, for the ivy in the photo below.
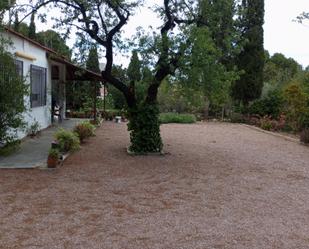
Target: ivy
{"x": 144, "y": 127}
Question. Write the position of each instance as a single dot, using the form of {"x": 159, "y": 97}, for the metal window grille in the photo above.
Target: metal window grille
{"x": 38, "y": 86}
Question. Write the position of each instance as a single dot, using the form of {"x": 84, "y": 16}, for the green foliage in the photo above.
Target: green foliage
{"x": 84, "y": 130}
{"x": 53, "y": 153}
{"x": 32, "y": 28}
{"x": 12, "y": 99}
{"x": 54, "y": 41}
{"x": 144, "y": 127}
{"x": 80, "y": 94}
{"x": 304, "y": 120}
{"x": 296, "y": 101}
{"x": 166, "y": 118}
{"x": 68, "y": 141}
{"x": 9, "y": 148}
{"x": 280, "y": 70}
{"x": 33, "y": 129}
{"x": 271, "y": 105}
{"x": 237, "y": 117}
{"x": 134, "y": 69}
{"x": 251, "y": 59}
{"x": 266, "y": 123}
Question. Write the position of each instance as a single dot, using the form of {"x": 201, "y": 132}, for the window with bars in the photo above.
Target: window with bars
{"x": 5, "y": 70}
{"x": 19, "y": 67}
{"x": 38, "y": 86}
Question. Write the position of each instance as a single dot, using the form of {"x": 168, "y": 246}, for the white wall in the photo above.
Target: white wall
{"x": 41, "y": 114}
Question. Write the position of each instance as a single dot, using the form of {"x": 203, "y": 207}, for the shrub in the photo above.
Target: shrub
{"x": 53, "y": 153}
{"x": 266, "y": 123}
{"x": 13, "y": 90}
{"x": 304, "y": 136}
{"x": 9, "y": 148}
{"x": 166, "y": 118}
{"x": 34, "y": 129}
{"x": 304, "y": 120}
{"x": 270, "y": 105}
{"x": 237, "y": 117}
{"x": 68, "y": 141}
{"x": 84, "y": 130}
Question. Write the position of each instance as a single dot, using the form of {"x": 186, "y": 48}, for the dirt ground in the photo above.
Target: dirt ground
{"x": 219, "y": 186}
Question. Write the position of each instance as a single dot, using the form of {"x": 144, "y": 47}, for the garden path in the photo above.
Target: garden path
{"x": 33, "y": 152}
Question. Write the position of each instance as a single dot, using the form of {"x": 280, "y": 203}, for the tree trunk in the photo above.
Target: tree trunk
{"x": 144, "y": 128}
{"x": 206, "y": 108}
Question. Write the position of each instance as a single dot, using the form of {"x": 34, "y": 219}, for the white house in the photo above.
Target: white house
{"x": 46, "y": 73}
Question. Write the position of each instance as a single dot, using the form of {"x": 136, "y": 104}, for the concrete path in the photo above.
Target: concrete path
{"x": 34, "y": 151}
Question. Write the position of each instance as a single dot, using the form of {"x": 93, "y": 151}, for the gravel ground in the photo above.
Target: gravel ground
{"x": 219, "y": 186}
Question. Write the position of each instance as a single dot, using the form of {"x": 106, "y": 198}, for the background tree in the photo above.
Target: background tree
{"x": 32, "y": 27}
{"x": 208, "y": 68}
{"x": 80, "y": 94}
{"x": 54, "y": 41}
{"x": 251, "y": 58}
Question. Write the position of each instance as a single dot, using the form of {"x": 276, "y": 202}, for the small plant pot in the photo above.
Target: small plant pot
{"x": 52, "y": 162}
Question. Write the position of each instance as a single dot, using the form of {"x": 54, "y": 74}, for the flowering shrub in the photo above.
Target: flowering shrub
{"x": 84, "y": 130}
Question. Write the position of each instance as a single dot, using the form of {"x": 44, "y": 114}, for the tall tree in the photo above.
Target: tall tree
{"x": 251, "y": 58}
{"x": 103, "y": 21}
{"x": 53, "y": 40}
{"x": 32, "y": 27}
{"x": 134, "y": 72}
{"x": 16, "y": 22}
{"x": 210, "y": 70}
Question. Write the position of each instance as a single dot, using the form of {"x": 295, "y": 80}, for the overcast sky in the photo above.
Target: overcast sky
{"x": 281, "y": 33}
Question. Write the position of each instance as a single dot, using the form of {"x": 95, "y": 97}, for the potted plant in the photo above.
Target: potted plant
{"x": 53, "y": 157}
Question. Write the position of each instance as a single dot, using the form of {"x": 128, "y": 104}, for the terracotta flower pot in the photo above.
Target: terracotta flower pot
{"x": 52, "y": 162}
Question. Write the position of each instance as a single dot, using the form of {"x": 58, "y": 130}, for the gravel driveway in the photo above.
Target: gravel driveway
{"x": 219, "y": 186}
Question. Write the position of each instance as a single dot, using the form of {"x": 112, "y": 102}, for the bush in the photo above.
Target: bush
{"x": 304, "y": 136}
{"x": 266, "y": 123}
{"x": 84, "y": 130}
{"x": 9, "y": 148}
{"x": 34, "y": 129}
{"x": 166, "y": 118}
{"x": 12, "y": 105}
{"x": 270, "y": 105}
{"x": 304, "y": 121}
{"x": 68, "y": 141}
{"x": 53, "y": 153}
{"x": 236, "y": 117}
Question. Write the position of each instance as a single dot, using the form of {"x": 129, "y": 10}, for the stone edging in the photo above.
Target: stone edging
{"x": 272, "y": 133}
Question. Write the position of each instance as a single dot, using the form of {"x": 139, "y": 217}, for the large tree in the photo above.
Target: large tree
{"x": 251, "y": 58}
{"x": 103, "y": 21}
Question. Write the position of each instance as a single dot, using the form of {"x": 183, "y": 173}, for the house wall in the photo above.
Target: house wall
{"x": 40, "y": 114}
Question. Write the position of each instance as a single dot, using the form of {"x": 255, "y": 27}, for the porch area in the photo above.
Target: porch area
{"x": 33, "y": 152}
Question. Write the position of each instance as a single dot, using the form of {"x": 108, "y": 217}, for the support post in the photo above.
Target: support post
{"x": 95, "y": 102}
{"x": 104, "y": 100}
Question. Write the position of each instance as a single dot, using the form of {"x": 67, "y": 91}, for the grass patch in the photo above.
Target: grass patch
{"x": 166, "y": 118}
